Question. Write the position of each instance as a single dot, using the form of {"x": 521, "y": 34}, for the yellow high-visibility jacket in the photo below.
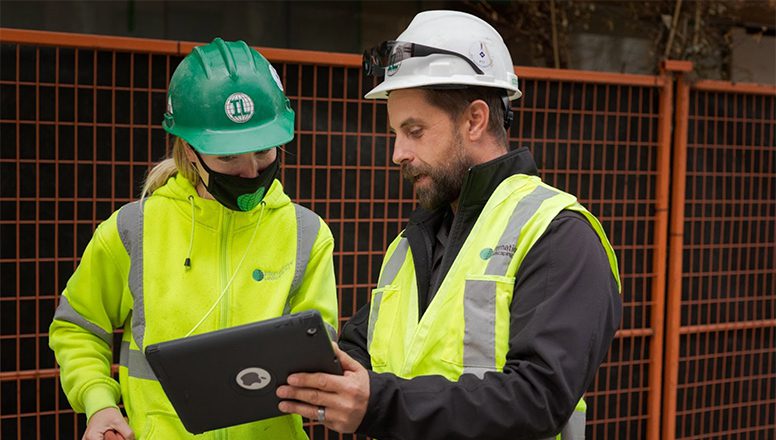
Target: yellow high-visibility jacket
{"x": 132, "y": 277}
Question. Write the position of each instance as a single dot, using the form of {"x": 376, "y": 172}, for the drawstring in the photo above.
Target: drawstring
{"x": 245, "y": 254}
{"x": 187, "y": 262}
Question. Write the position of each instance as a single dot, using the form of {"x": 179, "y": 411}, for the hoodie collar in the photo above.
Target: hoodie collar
{"x": 208, "y": 212}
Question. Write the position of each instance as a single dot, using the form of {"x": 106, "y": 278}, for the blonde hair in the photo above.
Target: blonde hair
{"x": 169, "y": 167}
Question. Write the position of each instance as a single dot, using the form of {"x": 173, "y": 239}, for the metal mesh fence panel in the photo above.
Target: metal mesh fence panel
{"x": 78, "y": 133}
{"x": 727, "y": 348}
{"x": 599, "y": 142}
{"x": 79, "y": 127}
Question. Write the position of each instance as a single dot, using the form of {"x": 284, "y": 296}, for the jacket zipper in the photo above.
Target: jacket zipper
{"x": 226, "y": 229}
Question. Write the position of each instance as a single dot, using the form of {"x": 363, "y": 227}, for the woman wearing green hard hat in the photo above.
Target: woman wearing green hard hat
{"x": 213, "y": 242}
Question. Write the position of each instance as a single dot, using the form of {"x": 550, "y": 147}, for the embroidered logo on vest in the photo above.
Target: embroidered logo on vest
{"x": 259, "y": 275}
{"x": 507, "y": 250}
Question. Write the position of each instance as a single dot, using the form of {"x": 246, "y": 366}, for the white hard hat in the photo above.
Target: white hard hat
{"x": 443, "y": 48}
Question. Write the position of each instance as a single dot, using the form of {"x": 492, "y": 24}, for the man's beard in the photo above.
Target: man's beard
{"x": 446, "y": 180}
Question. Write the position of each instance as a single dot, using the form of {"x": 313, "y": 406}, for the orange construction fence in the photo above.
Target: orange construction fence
{"x": 681, "y": 174}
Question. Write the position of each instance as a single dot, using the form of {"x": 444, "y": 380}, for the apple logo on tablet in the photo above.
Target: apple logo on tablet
{"x": 253, "y": 378}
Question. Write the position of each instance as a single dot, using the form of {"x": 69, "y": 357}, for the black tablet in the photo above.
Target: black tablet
{"x": 229, "y": 377}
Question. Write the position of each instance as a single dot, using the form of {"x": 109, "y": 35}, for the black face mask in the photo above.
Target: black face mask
{"x": 240, "y": 193}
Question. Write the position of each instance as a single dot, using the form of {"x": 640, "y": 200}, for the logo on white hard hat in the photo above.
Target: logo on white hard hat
{"x": 392, "y": 69}
{"x": 478, "y": 52}
{"x": 239, "y": 107}
{"x": 253, "y": 378}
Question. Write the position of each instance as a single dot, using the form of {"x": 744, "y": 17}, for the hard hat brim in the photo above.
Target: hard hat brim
{"x": 230, "y": 142}
{"x": 414, "y": 81}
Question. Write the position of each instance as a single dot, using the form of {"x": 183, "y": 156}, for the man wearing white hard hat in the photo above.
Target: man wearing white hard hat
{"x": 498, "y": 302}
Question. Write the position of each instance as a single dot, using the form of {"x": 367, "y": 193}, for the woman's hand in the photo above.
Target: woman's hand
{"x": 107, "y": 420}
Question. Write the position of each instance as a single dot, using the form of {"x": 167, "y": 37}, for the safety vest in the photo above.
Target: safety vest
{"x": 477, "y": 291}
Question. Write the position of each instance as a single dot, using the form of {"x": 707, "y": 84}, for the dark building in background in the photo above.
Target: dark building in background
{"x": 733, "y": 39}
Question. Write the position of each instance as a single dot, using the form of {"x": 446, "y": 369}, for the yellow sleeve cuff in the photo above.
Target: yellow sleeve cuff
{"x": 99, "y": 396}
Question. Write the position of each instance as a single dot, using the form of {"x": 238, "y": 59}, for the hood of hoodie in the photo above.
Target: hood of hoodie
{"x": 208, "y": 212}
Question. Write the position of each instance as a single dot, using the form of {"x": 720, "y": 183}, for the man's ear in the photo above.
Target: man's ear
{"x": 477, "y": 116}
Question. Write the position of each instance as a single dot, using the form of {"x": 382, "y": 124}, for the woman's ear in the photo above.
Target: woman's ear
{"x": 190, "y": 156}
{"x": 477, "y": 117}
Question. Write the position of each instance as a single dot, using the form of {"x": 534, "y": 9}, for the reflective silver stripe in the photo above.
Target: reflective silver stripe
{"x": 479, "y": 302}
{"x": 307, "y": 227}
{"x": 574, "y": 429}
{"x": 135, "y": 362}
{"x": 123, "y": 354}
{"x": 525, "y": 209}
{"x": 373, "y": 313}
{"x": 479, "y": 339}
{"x": 391, "y": 268}
{"x": 66, "y": 312}
{"x": 130, "y": 225}
{"x": 387, "y": 275}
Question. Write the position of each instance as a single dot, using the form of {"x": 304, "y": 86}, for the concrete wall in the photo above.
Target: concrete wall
{"x": 753, "y": 58}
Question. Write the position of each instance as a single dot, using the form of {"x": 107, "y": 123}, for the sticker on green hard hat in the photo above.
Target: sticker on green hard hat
{"x": 239, "y": 107}
{"x": 275, "y": 76}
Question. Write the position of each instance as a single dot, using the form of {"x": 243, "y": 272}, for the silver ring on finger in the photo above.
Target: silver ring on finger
{"x": 321, "y": 414}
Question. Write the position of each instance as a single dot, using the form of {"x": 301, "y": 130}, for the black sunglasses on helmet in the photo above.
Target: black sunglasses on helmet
{"x": 379, "y": 58}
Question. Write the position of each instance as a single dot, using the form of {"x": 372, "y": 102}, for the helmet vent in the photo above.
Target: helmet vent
{"x": 226, "y": 54}
{"x": 201, "y": 58}
{"x": 249, "y": 55}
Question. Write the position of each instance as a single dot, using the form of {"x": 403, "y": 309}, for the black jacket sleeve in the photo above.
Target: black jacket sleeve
{"x": 565, "y": 310}
{"x": 353, "y": 337}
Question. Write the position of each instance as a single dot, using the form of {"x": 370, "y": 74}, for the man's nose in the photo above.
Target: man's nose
{"x": 401, "y": 152}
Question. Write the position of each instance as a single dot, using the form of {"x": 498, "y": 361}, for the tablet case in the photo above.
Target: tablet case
{"x": 229, "y": 377}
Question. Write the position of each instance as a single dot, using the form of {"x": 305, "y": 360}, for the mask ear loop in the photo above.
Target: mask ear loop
{"x": 223, "y": 292}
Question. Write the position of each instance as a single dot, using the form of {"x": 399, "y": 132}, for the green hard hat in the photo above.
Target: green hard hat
{"x": 225, "y": 98}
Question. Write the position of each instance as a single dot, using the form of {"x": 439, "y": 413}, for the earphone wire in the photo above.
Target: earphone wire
{"x": 229, "y": 283}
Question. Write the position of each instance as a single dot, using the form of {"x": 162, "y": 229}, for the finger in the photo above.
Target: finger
{"x": 347, "y": 362}
{"x": 307, "y": 395}
{"x": 304, "y": 410}
{"x": 124, "y": 431}
{"x": 112, "y": 435}
{"x": 320, "y": 381}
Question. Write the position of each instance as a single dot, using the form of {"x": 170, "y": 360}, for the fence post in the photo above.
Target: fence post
{"x": 658, "y": 287}
{"x": 675, "y": 245}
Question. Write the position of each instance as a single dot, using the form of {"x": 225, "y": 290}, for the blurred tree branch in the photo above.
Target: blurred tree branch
{"x": 693, "y": 30}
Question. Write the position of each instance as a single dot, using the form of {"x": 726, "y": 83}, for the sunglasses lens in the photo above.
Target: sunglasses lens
{"x": 378, "y": 58}
{"x": 369, "y": 62}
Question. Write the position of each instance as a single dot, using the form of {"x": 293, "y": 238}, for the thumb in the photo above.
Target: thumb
{"x": 112, "y": 434}
{"x": 347, "y": 362}
{"x": 124, "y": 431}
